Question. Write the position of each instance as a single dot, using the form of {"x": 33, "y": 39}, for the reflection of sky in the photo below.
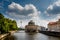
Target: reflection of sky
{"x": 38, "y": 36}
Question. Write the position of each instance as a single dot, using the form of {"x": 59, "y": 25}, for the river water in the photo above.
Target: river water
{"x": 21, "y": 35}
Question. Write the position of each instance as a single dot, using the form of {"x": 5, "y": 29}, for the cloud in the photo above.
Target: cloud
{"x": 57, "y": 17}
{"x": 28, "y": 12}
{"x": 40, "y": 22}
{"x": 16, "y": 10}
{"x": 53, "y": 9}
{"x": 37, "y": 21}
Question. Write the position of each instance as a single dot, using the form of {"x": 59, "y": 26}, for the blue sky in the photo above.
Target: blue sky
{"x": 40, "y": 11}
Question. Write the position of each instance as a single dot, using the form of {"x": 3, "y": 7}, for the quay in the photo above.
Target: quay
{"x": 7, "y": 34}
{"x": 51, "y": 33}
{"x": 3, "y": 35}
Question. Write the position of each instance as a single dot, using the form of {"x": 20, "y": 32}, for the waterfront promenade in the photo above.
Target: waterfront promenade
{"x": 3, "y": 36}
{"x": 7, "y": 34}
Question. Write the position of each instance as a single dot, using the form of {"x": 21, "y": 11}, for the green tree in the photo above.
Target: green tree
{"x": 6, "y": 24}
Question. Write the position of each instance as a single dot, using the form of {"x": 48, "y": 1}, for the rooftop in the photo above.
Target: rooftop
{"x": 52, "y": 23}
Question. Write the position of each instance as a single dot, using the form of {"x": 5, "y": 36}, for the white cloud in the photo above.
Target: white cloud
{"x": 57, "y": 17}
{"x": 15, "y": 6}
{"x": 40, "y": 22}
{"x": 18, "y": 11}
{"x": 53, "y": 9}
{"x": 37, "y": 21}
{"x": 50, "y": 7}
{"x": 27, "y": 13}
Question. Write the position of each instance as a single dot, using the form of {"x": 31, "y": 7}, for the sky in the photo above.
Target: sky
{"x": 40, "y": 11}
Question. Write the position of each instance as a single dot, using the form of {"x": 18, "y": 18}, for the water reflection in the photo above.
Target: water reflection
{"x": 30, "y": 36}
{"x": 54, "y": 38}
{"x": 21, "y": 35}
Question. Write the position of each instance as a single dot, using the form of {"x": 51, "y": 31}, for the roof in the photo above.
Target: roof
{"x": 52, "y": 23}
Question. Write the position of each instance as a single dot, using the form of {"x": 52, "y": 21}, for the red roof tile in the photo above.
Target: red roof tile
{"x": 52, "y": 23}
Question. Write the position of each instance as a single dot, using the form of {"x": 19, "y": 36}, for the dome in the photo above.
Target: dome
{"x": 31, "y": 23}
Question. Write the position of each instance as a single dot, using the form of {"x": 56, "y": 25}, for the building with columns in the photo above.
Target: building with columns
{"x": 31, "y": 27}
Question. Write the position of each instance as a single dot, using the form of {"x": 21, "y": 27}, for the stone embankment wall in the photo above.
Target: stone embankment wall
{"x": 2, "y": 36}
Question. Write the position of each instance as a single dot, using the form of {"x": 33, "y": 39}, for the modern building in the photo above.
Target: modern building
{"x": 54, "y": 26}
{"x": 31, "y": 27}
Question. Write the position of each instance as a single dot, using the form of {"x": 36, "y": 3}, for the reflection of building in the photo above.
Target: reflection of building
{"x": 54, "y": 26}
{"x": 31, "y": 27}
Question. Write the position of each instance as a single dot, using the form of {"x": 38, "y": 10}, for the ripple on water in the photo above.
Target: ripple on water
{"x": 21, "y": 35}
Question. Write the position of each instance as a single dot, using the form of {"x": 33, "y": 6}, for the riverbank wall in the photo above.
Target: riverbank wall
{"x": 51, "y": 33}
{"x": 3, "y": 35}
{"x": 7, "y": 34}
{"x": 12, "y": 32}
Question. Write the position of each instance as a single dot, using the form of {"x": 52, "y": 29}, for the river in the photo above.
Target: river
{"x": 21, "y": 35}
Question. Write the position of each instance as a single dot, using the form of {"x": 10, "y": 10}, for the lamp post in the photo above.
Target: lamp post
{"x": 21, "y": 23}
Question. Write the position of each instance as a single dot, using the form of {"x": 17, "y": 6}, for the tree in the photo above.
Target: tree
{"x": 6, "y": 24}
{"x": 1, "y": 16}
{"x": 1, "y": 22}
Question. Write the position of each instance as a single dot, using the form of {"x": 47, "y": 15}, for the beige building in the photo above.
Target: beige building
{"x": 31, "y": 27}
{"x": 54, "y": 26}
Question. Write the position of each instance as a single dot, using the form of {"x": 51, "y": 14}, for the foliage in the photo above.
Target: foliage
{"x": 6, "y": 24}
{"x": 21, "y": 29}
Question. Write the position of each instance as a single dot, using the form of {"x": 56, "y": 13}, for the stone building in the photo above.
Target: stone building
{"x": 54, "y": 26}
{"x": 31, "y": 27}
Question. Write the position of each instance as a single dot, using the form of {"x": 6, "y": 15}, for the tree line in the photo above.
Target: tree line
{"x": 7, "y": 24}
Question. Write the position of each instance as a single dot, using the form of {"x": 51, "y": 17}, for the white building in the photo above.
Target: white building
{"x": 54, "y": 26}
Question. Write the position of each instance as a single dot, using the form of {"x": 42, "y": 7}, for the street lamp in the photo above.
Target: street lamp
{"x": 21, "y": 23}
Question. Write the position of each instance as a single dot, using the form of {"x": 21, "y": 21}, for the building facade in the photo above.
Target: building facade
{"x": 54, "y": 26}
{"x": 31, "y": 27}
